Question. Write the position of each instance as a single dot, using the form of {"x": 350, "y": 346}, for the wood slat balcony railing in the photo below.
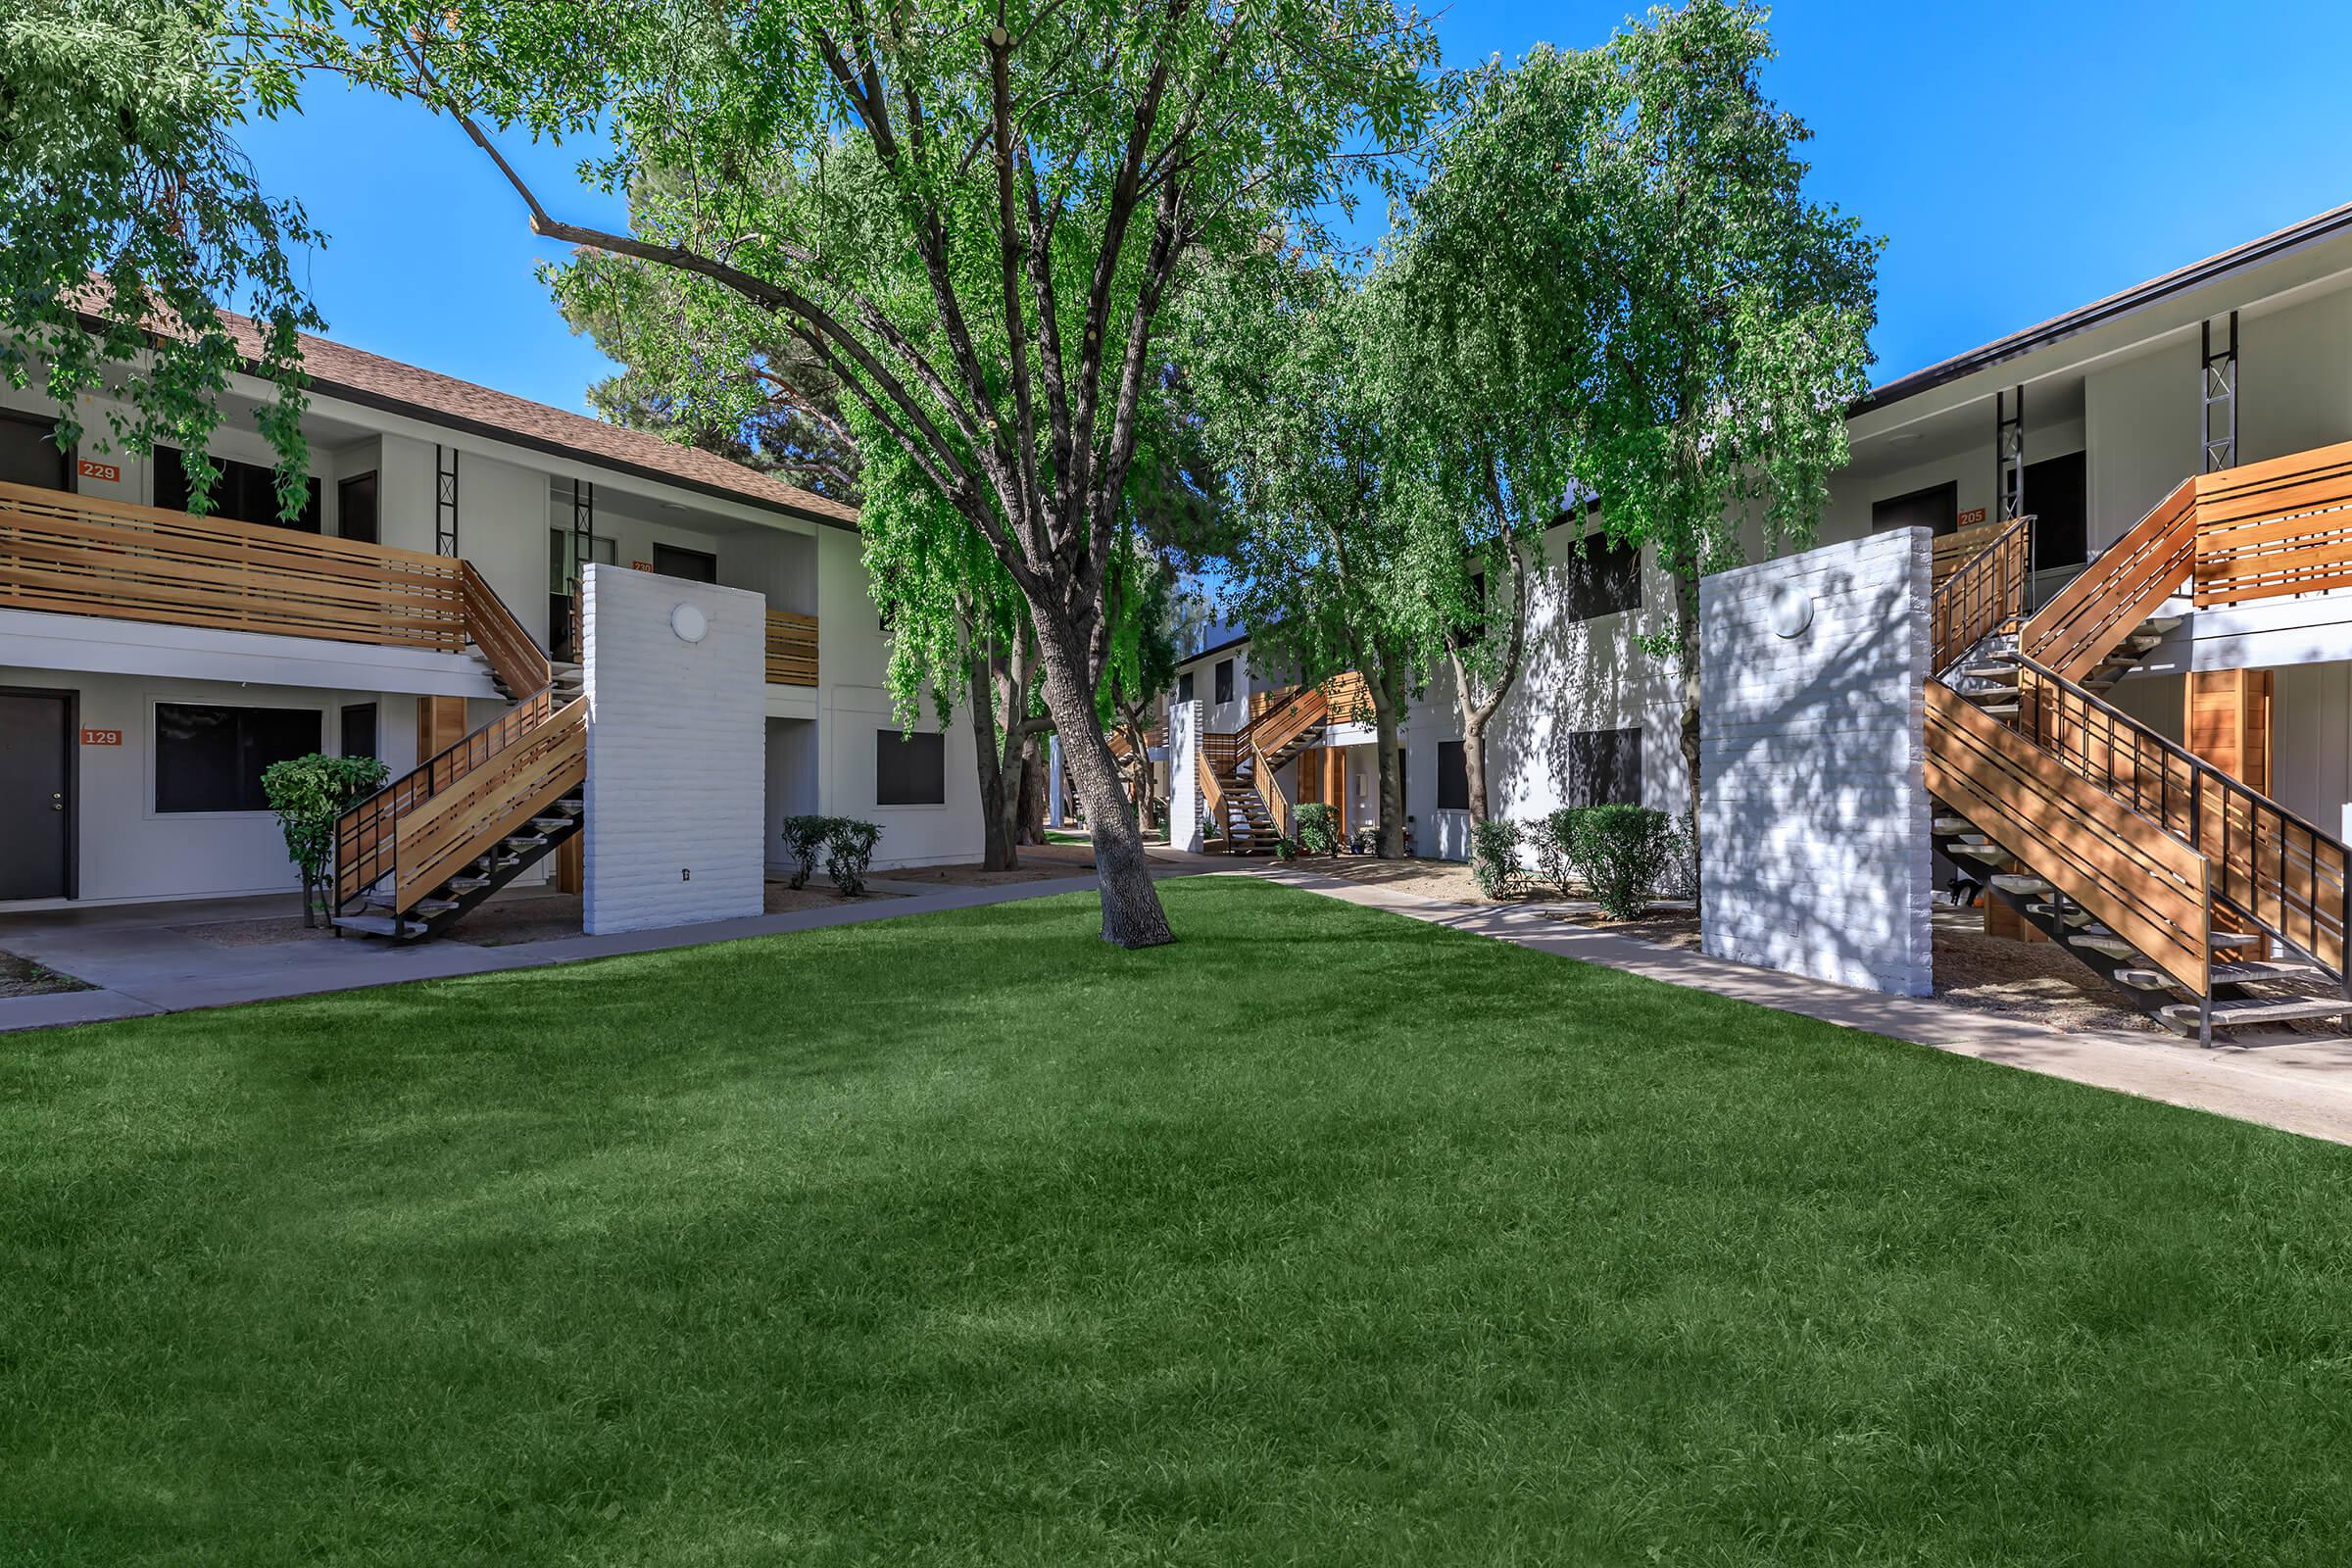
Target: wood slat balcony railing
{"x": 791, "y": 649}
{"x": 81, "y": 555}
{"x": 2276, "y": 529}
{"x": 1957, "y": 549}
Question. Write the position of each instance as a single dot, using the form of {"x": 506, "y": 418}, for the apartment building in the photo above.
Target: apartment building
{"x": 424, "y": 608}
{"x": 2135, "y": 526}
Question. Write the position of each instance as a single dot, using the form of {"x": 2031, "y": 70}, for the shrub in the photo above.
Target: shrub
{"x": 1286, "y": 849}
{"x": 1622, "y": 853}
{"x": 848, "y": 851}
{"x": 1494, "y": 855}
{"x": 306, "y": 793}
{"x": 803, "y": 841}
{"x": 1318, "y": 829}
{"x": 1681, "y": 877}
{"x": 1552, "y": 836}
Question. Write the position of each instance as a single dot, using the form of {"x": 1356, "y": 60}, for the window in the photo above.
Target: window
{"x": 28, "y": 453}
{"x": 695, "y": 565}
{"x": 210, "y": 759}
{"x": 244, "y": 491}
{"x": 1936, "y": 509}
{"x": 562, "y": 558}
{"x": 1224, "y": 680}
{"x": 1183, "y": 687}
{"x": 909, "y": 769}
{"x": 2056, "y": 495}
{"x": 1604, "y": 768}
{"x": 1454, "y": 778}
{"x": 355, "y": 508}
{"x": 358, "y": 730}
{"x": 1604, "y": 578}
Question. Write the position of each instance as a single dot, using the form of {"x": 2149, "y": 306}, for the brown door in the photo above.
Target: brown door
{"x": 36, "y": 794}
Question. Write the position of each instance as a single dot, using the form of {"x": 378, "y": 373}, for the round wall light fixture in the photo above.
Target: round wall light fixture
{"x": 689, "y": 622}
{"x": 1791, "y": 610}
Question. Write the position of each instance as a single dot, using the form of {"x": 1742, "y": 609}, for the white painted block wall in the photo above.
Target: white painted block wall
{"x": 677, "y": 743}
{"x": 1812, "y": 754}
{"x": 1184, "y": 779}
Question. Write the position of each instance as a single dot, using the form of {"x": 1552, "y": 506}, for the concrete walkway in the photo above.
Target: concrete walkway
{"x": 141, "y": 964}
{"x": 2300, "y": 1088}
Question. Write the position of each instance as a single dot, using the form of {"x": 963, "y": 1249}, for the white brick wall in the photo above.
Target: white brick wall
{"x": 676, "y": 752}
{"x": 1184, "y": 779}
{"x": 1814, "y": 808}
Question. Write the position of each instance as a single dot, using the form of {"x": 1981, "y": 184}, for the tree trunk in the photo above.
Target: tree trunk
{"x": 1474, "y": 763}
{"x": 999, "y": 796}
{"x": 1132, "y": 917}
{"x": 1685, "y": 634}
{"x": 1033, "y": 789}
{"x": 309, "y": 901}
{"x": 1390, "y": 792}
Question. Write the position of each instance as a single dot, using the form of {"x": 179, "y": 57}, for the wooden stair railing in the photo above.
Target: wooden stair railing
{"x": 2089, "y": 618}
{"x": 1278, "y": 805}
{"x": 2275, "y": 529}
{"x": 2147, "y": 886}
{"x": 416, "y": 831}
{"x": 1981, "y": 596}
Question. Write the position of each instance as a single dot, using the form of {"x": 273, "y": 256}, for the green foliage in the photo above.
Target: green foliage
{"x": 1493, "y": 855}
{"x": 803, "y": 841}
{"x": 1286, "y": 849}
{"x": 849, "y": 853}
{"x": 1318, "y": 828}
{"x": 125, "y": 201}
{"x": 1622, "y": 853}
{"x": 1552, "y": 837}
{"x": 306, "y": 793}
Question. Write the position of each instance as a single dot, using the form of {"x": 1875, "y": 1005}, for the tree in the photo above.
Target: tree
{"x": 306, "y": 793}
{"x": 1143, "y": 666}
{"x": 1321, "y": 570}
{"x": 1733, "y": 313}
{"x": 1025, "y": 186}
{"x": 705, "y": 367}
{"x": 129, "y": 219}
{"x": 1492, "y": 363}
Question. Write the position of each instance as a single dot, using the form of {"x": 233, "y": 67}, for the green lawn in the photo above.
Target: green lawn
{"x": 1322, "y": 1237}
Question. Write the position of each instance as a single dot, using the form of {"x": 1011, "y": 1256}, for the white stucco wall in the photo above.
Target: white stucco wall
{"x": 1814, "y": 810}
{"x": 1184, "y": 778}
{"x": 676, "y": 752}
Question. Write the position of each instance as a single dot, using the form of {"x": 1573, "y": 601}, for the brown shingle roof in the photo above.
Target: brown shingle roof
{"x": 353, "y": 375}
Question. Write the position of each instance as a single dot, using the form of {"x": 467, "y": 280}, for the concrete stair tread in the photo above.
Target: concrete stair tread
{"x": 2106, "y": 941}
{"x": 2258, "y": 972}
{"x": 2240, "y": 1012}
{"x": 1950, "y": 827}
{"x": 2021, "y": 883}
{"x": 2073, "y": 914}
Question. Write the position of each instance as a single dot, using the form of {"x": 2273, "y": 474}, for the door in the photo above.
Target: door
{"x": 36, "y": 794}
{"x": 694, "y": 565}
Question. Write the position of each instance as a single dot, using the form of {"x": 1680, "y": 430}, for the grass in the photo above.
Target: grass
{"x": 1321, "y": 1237}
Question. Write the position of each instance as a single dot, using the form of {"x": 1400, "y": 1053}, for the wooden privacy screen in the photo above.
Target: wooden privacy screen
{"x": 1958, "y": 548}
{"x": 2148, "y": 887}
{"x": 791, "y": 649}
{"x": 80, "y": 555}
{"x": 2090, "y": 616}
{"x": 2267, "y": 529}
{"x": 1981, "y": 595}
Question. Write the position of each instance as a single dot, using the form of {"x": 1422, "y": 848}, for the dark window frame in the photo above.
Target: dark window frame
{"x": 1224, "y": 681}
{"x": 1895, "y": 512}
{"x": 677, "y": 552}
{"x": 245, "y": 492}
{"x": 46, "y": 434}
{"x": 890, "y": 743}
{"x": 1183, "y": 687}
{"x": 1603, "y": 777}
{"x": 1604, "y": 578}
{"x": 247, "y": 796}
{"x": 349, "y": 719}
{"x": 2061, "y": 536}
{"x": 1453, "y": 776}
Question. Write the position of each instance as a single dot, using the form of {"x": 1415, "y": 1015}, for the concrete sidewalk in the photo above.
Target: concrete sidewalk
{"x": 141, "y": 964}
{"x": 2299, "y": 1088}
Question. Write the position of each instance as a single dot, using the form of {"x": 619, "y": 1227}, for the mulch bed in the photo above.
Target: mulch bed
{"x": 21, "y": 978}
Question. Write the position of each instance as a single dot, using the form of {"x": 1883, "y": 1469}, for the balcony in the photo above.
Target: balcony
{"x": 80, "y": 555}
{"x": 791, "y": 649}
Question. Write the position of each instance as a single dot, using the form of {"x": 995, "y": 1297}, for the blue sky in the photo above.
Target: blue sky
{"x": 2021, "y": 160}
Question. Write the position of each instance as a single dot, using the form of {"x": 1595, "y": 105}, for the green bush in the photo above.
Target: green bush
{"x": 1493, "y": 855}
{"x": 1318, "y": 829}
{"x": 306, "y": 793}
{"x": 805, "y": 841}
{"x": 1622, "y": 853}
{"x": 1552, "y": 836}
{"x": 1680, "y": 878}
{"x": 1286, "y": 849}
{"x": 848, "y": 851}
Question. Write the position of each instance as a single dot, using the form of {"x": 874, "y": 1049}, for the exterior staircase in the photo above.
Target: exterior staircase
{"x": 414, "y": 858}
{"x": 2205, "y": 903}
{"x": 1238, "y": 771}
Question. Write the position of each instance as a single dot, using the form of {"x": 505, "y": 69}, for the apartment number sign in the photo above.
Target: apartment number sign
{"x": 1971, "y": 518}
{"x": 101, "y": 737}
{"x": 110, "y": 472}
